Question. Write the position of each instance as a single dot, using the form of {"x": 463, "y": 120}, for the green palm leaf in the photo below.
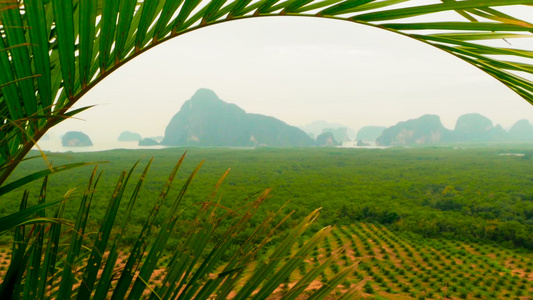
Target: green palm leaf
{"x": 64, "y": 271}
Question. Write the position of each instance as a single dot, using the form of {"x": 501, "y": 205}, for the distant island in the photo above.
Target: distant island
{"x": 470, "y": 128}
{"x": 158, "y": 138}
{"x": 427, "y": 129}
{"x": 340, "y": 132}
{"x": 76, "y": 139}
{"x": 148, "y": 142}
{"x": 206, "y": 120}
{"x": 128, "y": 136}
{"x": 327, "y": 139}
{"x": 370, "y": 133}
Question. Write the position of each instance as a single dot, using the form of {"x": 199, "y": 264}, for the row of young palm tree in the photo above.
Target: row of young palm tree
{"x": 52, "y": 52}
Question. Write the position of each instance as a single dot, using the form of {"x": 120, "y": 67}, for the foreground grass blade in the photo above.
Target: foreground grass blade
{"x": 104, "y": 282}
{"x": 22, "y": 217}
{"x": 13, "y": 278}
{"x": 33, "y": 272}
{"x": 77, "y": 235}
{"x": 48, "y": 269}
{"x": 37, "y": 175}
{"x": 186, "y": 260}
{"x": 291, "y": 264}
{"x": 327, "y": 288}
{"x": 264, "y": 269}
{"x": 306, "y": 280}
{"x": 192, "y": 272}
{"x": 231, "y": 273}
{"x": 105, "y": 279}
{"x": 197, "y": 239}
{"x": 137, "y": 251}
{"x": 97, "y": 253}
{"x": 243, "y": 259}
{"x": 159, "y": 244}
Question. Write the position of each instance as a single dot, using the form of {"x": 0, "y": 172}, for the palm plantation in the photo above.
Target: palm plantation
{"x": 53, "y": 52}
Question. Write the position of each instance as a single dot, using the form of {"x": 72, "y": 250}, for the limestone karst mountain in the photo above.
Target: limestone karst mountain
{"x": 470, "y": 128}
{"x": 477, "y": 128}
{"x": 341, "y": 132}
{"x": 148, "y": 142}
{"x": 128, "y": 136}
{"x": 206, "y": 120}
{"x": 427, "y": 129}
{"x": 521, "y": 131}
{"x": 370, "y": 133}
{"x": 76, "y": 139}
{"x": 327, "y": 139}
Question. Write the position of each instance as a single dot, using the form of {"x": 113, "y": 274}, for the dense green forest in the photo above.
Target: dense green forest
{"x": 474, "y": 193}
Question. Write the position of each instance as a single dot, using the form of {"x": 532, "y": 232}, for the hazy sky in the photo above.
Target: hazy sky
{"x": 298, "y": 70}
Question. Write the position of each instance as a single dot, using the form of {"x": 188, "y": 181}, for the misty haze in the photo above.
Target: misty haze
{"x": 373, "y": 149}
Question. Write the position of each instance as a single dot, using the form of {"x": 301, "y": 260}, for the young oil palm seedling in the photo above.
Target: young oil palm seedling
{"x": 60, "y": 259}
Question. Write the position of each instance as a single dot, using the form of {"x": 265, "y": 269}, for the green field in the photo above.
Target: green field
{"x": 420, "y": 222}
{"x": 472, "y": 194}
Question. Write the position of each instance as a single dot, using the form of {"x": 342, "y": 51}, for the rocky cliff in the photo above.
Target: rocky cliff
{"x": 206, "y": 120}
{"x": 427, "y": 129}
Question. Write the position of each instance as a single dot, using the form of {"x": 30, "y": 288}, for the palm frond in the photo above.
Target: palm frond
{"x": 63, "y": 262}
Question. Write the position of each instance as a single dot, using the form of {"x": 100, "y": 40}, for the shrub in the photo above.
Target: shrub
{"x": 367, "y": 288}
